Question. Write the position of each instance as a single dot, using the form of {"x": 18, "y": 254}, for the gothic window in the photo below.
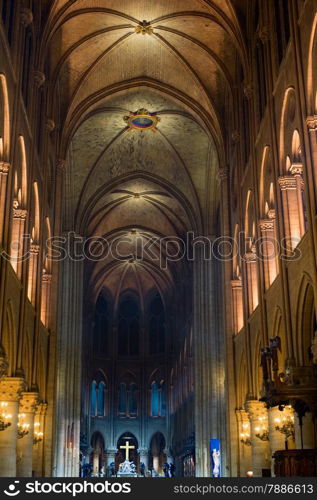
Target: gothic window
{"x": 101, "y": 327}
{"x": 128, "y": 400}
{"x": 122, "y": 400}
{"x": 27, "y": 65}
{"x": 93, "y": 398}
{"x": 128, "y": 329}
{"x": 101, "y": 399}
{"x": 261, "y": 78}
{"x": 282, "y": 27}
{"x": 7, "y": 13}
{"x": 158, "y": 399}
{"x": 132, "y": 400}
{"x": 157, "y": 326}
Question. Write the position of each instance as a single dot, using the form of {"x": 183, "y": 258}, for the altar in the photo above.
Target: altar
{"x": 127, "y": 468}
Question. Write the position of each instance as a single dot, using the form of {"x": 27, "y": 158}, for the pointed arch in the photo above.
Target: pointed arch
{"x": 306, "y": 323}
{"x": 9, "y": 337}
{"x": 4, "y": 120}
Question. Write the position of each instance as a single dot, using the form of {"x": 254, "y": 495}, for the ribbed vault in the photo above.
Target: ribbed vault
{"x": 177, "y": 59}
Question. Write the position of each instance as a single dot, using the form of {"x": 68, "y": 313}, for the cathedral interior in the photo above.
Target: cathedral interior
{"x": 158, "y": 236}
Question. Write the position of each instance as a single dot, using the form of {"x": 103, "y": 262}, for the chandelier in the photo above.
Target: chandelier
{"x": 245, "y": 435}
{"x": 4, "y": 416}
{"x": 23, "y": 428}
{"x": 261, "y": 431}
{"x": 38, "y": 436}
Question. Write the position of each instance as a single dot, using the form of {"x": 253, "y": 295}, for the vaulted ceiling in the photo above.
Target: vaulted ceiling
{"x": 175, "y": 58}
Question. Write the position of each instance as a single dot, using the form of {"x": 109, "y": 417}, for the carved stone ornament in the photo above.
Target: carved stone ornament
{"x": 26, "y": 17}
{"x": 144, "y": 28}
{"x": 50, "y": 125}
{"x": 39, "y": 78}
{"x": 4, "y": 167}
{"x": 4, "y": 365}
{"x": 312, "y": 122}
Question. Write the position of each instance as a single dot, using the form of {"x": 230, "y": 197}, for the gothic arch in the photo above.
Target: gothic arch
{"x": 306, "y": 323}
{"x": 288, "y": 125}
{"x": 311, "y": 70}
{"x": 267, "y": 184}
{"x": 242, "y": 378}
{"x": 9, "y": 337}
{"x": 257, "y": 372}
{"x": 4, "y": 120}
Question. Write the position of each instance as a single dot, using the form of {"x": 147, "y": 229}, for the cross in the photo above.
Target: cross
{"x": 127, "y": 448}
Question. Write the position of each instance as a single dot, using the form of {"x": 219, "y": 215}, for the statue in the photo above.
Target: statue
{"x": 216, "y": 462}
{"x": 166, "y": 470}
{"x": 142, "y": 469}
{"x": 172, "y": 470}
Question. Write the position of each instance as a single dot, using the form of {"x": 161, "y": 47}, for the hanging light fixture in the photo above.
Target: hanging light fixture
{"x": 4, "y": 416}
{"x": 23, "y": 428}
{"x": 38, "y": 435}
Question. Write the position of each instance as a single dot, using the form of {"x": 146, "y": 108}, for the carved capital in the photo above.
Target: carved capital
{"x": 28, "y": 402}
{"x": 34, "y": 249}
{"x": 4, "y": 167}
{"x": 272, "y": 214}
{"x": 266, "y": 225}
{"x": 296, "y": 169}
{"x": 41, "y": 409}
{"x": 223, "y": 173}
{"x": 19, "y": 213}
{"x": 242, "y": 416}
{"x": 26, "y": 17}
{"x": 287, "y": 182}
{"x": 39, "y": 78}
{"x": 61, "y": 165}
{"x": 4, "y": 364}
{"x": 248, "y": 90}
{"x": 11, "y": 388}
{"x": 264, "y": 34}
{"x": 50, "y": 125}
{"x": 250, "y": 257}
{"x": 46, "y": 277}
{"x": 312, "y": 122}
{"x": 255, "y": 409}
{"x": 236, "y": 284}
{"x": 235, "y": 136}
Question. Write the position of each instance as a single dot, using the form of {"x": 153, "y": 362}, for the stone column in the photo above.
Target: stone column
{"x": 4, "y": 170}
{"x": 10, "y": 393}
{"x": 268, "y": 250}
{"x": 68, "y": 386}
{"x": 156, "y": 463}
{"x": 27, "y": 407}
{"x": 95, "y": 462}
{"x": 32, "y": 274}
{"x": 277, "y": 440}
{"x": 39, "y": 436}
{"x": 252, "y": 280}
{"x": 291, "y": 187}
{"x": 245, "y": 452}
{"x": 209, "y": 347}
{"x": 312, "y": 127}
{"x": 46, "y": 298}
{"x": 260, "y": 449}
{"x": 110, "y": 455}
{"x": 17, "y": 242}
{"x": 144, "y": 457}
{"x": 237, "y": 305}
